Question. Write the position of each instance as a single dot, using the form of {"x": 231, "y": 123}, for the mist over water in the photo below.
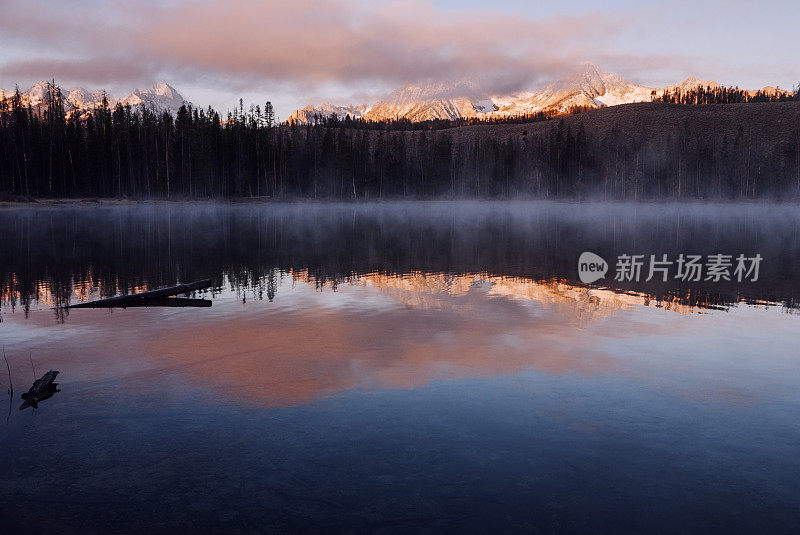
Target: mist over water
{"x": 396, "y": 367}
{"x": 116, "y": 248}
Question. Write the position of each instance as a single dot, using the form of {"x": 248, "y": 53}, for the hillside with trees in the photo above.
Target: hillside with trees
{"x": 744, "y": 150}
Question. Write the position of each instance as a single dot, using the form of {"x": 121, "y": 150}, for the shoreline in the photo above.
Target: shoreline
{"x": 91, "y": 201}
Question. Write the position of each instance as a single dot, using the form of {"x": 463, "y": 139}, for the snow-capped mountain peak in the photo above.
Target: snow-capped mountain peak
{"x": 432, "y": 89}
{"x": 588, "y": 86}
{"x": 162, "y": 88}
{"x": 38, "y": 91}
{"x": 590, "y": 79}
{"x": 690, "y": 84}
{"x": 159, "y": 97}
{"x": 79, "y": 95}
{"x": 427, "y": 100}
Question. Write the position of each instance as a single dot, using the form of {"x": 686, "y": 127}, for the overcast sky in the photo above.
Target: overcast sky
{"x": 352, "y": 51}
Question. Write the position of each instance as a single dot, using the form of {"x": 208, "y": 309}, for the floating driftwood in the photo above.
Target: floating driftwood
{"x": 154, "y": 298}
{"x": 160, "y": 302}
{"x": 43, "y": 388}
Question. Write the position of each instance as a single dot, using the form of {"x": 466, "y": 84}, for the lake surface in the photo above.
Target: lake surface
{"x": 396, "y": 368}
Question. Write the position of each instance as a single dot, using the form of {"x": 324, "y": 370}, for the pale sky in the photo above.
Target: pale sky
{"x": 353, "y": 51}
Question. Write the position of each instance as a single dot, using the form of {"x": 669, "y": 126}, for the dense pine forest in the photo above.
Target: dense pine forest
{"x": 724, "y": 95}
{"x": 137, "y": 153}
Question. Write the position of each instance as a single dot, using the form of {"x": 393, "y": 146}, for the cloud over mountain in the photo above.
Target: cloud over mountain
{"x": 358, "y": 50}
{"x": 303, "y": 43}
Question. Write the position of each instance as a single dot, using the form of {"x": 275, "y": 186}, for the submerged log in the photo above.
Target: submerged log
{"x": 43, "y": 388}
{"x": 153, "y": 297}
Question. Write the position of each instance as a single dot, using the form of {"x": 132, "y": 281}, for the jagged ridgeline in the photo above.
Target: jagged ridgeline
{"x": 586, "y": 87}
{"x": 159, "y": 97}
{"x": 748, "y": 149}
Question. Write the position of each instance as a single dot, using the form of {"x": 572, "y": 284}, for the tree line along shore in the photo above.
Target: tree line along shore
{"x": 725, "y": 147}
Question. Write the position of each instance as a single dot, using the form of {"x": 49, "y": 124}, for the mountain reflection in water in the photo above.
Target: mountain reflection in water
{"x": 60, "y": 255}
{"x": 371, "y": 331}
{"x": 397, "y": 368}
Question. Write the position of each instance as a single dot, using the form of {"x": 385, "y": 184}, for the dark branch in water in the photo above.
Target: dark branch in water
{"x": 176, "y": 302}
{"x": 10, "y": 385}
{"x": 160, "y": 297}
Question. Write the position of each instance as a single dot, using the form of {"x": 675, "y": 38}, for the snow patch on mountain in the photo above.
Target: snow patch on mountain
{"x": 486, "y": 105}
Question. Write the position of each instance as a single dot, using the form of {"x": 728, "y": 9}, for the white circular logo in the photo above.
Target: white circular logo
{"x": 591, "y": 267}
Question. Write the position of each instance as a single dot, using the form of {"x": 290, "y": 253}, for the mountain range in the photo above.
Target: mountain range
{"x": 159, "y": 97}
{"x": 588, "y": 86}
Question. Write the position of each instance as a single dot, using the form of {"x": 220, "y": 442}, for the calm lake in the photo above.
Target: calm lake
{"x": 400, "y": 367}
